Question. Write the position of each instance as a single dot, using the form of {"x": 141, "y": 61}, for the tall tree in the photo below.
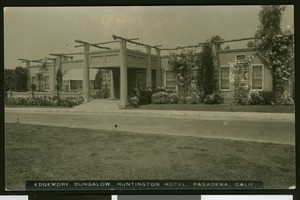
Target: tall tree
{"x": 98, "y": 80}
{"x": 8, "y": 79}
{"x": 20, "y": 79}
{"x": 206, "y": 81}
{"x": 275, "y": 48}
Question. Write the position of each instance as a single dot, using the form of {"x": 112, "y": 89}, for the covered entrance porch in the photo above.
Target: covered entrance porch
{"x": 128, "y": 69}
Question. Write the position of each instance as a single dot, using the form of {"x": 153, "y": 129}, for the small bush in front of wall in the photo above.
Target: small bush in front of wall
{"x": 256, "y": 98}
{"x": 216, "y": 98}
{"x": 241, "y": 95}
{"x": 144, "y": 95}
{"x": 45, "y": 101}
{"x": 134, "y": 101}
{"x": 268, "y": 96}
{"x": 159, "y": 98}
{"x": 173, "y": 98}
{"x": 193, "y": 98}
{"x": 286, "y": 99}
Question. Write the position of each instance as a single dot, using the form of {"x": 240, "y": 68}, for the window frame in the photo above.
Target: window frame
{"x": 48, "y": 83}
{"x": 236, "y": 60}
{"x": 165, "y": 81}
{"x": 70, "y": 88}
{"x": 220, "y": 79}
{"x": 262, "y": 77}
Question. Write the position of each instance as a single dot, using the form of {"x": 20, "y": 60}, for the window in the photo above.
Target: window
{"x": 170, "y": 79}
{"x": 257, "y": 77}
{"x": 141, "y": 79}
{"x": 46, "y": 83}
{"x": 225, "y": 78}
{"x": 73, "y": 85}
{"x": 240, "y": 57}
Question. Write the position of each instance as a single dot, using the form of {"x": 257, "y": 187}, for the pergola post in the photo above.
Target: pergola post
{"x": 112, "y": 87}
{"x": 123, "y": 74}
{"x": 59, "y": 66}
{"x": 158, "y": 69}
{"x": 27, "y": 62}
{"x": 86, "y": 74}
{"x": 148, "y": 71}
{"x": 52, "y": 76}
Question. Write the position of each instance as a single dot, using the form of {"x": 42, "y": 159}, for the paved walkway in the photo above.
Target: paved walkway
{"x": 289, "y": 117}
{"x": 259, "y": 127}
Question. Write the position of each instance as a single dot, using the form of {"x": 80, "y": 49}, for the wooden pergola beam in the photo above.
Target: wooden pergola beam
{"x": 87, "y": 43}
{"x": 115, "y": 37}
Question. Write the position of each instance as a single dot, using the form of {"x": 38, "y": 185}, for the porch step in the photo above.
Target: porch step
{"x": 98, "y": 105}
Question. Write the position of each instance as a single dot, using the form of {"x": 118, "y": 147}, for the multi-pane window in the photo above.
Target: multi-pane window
{"x": 225, "y": 78}
{"x": 240, "y": 57}
{"x": 170, "y": 79}
{"x": 76, "y": 85}
{"x": 46, "y": 83}
{"x": 141, "y": 79}
{"x": 73, "y": 85}
{"x": 257, "y": 77}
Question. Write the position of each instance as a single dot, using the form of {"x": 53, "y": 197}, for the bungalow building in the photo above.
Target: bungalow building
{"x": 124, "y": 69}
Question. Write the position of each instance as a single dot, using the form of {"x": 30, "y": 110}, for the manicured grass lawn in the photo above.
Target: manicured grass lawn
{"x": 35, "y": 152}
{"x": 219, "y": 107}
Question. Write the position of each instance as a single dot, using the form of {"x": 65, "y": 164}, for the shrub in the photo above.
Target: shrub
{"x": 241, "y": 95}
{"x": 256, "y": 98}
{"x": 45, "y": 101}
{"x": 193, "y": 98}
{"x": 215, "y": 98}
{"x": 268, "y": 97}
{"x": 173, "y": 98}
{"x": 134, "y": 101}
{"x": 159, "y": 98}
{"x": 144, "y": 95}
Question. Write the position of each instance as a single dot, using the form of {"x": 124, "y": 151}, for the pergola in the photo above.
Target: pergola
{"x": 122, "y": 63}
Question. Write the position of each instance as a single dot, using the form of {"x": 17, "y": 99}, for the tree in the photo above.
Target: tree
{"x": 206, "y": 81}
{"x": 276, "y": 48}
{"x": 59, "y": 79}
{"x": 20, "y": 79}
{"x": 182, "y": 65}
{"x": 8, "y": 79}
{"x": 98, "y": 80}
{"x": 40, "y": 74}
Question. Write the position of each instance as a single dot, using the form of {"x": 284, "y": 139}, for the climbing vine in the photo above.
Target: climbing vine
{"x": 182, "y": 65}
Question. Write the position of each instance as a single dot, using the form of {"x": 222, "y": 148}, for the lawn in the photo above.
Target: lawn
{"x": 219, "y": 107}
{"x": 36, "y": 152}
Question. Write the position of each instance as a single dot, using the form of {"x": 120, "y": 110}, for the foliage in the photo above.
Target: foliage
{"x": 182, "y": 65}
{"x": 8, "y": 79}
{"x": 173, "y": 98}
{"x": 215, "y": 98}
{"x": 159, "y": 98}
{"x": 144, "y": 95}
{"x": 45, "y": 101}
{"x": 193, "y": 98}
{"x": 20, "y": 79}
{"x": 206, "y": 81}
{"x": 276, "y": 48}
{"x": 134, "y": 101}
{"x": 98, "y": 80}
{"x": 59, "y": 80}
{"x": 256, "y": 98}
{"x": 241, "y": 86}
{"x": 269, "y": 97}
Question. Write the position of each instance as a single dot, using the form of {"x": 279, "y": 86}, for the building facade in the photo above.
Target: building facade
{"x": 124, "y": 69}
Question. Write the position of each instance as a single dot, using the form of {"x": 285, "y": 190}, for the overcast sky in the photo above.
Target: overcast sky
{"x": 34, "y": 32}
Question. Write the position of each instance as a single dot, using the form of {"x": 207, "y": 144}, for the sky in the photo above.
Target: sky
{"x": 35, "y": 32}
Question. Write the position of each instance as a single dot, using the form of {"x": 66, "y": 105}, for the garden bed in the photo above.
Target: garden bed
{"x": 219, "y": 107}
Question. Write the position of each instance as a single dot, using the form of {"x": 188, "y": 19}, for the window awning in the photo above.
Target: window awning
{"x": 77, "y": 74}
